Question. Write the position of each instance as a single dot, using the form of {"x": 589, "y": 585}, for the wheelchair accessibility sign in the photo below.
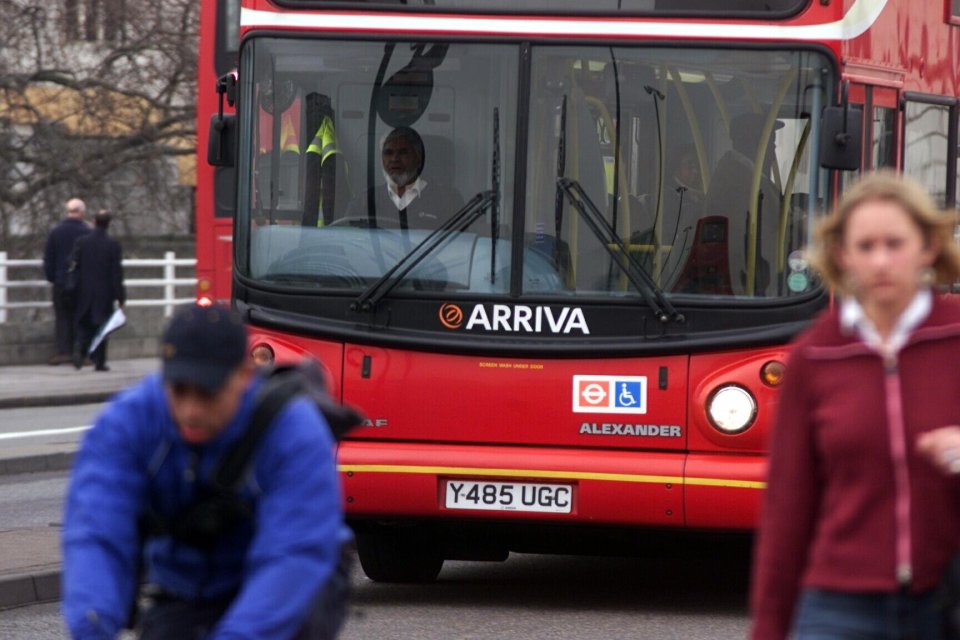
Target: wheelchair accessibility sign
{"x": 609, "y": 394}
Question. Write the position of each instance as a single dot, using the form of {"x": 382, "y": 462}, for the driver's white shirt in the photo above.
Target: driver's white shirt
{"x": 411, "y": 193}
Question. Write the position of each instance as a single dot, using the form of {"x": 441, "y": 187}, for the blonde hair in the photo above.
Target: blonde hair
{"x": 887, "y": 186}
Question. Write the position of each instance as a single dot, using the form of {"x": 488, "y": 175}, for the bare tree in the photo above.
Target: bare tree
{"x": 96, "y": 101}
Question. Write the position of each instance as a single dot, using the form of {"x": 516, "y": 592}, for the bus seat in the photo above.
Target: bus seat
{"x": 707, "y": 268}
{"x": 439, "y": 160}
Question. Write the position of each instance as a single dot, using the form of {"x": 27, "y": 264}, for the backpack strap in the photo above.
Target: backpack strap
{"x": 276, "y": 392}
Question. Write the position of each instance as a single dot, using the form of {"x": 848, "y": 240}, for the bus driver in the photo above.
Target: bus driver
{"x": 406, "y": 198}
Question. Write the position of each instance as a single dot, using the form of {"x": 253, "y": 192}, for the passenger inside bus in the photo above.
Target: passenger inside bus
{"x": 683, "y": 199}
{"x": 730, "y": 197}
{"x": 406, "y": 199}
{"x": 681, "y": 208}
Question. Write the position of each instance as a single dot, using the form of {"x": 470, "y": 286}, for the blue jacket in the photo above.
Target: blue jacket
{"x": 133, "y": 456}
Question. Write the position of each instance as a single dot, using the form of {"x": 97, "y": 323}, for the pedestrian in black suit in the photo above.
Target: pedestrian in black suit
{"x": 101, "y": 284}
{"x": 56, "y": 258}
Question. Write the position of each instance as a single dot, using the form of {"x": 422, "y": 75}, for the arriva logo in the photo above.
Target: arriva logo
{"x": 451, "y": 316}
{"x": 516, "y": 318}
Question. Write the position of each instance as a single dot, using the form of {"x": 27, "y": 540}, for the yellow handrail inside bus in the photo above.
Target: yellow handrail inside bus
{"x": 573, "y": 151}
{"x": 721, "y": 103}
{"x": 538, "y": 166}
{"x": 751, "y": 97}
{"x": 787, "y": 194}
{"x": 757, "y": 108}
{"x": 621, "y": 175}
{"x": 621, "y": 172}
{"x": 755, "y": 182}
{"x": 694, "y": 127}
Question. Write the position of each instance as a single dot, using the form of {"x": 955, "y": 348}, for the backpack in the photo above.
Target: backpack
{"x": 219, "y": 506}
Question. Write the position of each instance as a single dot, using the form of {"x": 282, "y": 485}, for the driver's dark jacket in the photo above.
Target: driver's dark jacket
{"x": 276, "y": 566}
{"x": 435, "y": 204}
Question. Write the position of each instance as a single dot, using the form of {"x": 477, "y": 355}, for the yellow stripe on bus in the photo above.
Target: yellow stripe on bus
{"x": 725, "y": 482}
{"x": 557, "y": 475}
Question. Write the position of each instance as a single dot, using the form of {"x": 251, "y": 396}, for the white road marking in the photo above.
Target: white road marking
{"x": 43, "y": 432}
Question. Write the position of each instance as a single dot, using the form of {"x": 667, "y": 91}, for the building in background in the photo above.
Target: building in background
{"x": 96, "y": 104}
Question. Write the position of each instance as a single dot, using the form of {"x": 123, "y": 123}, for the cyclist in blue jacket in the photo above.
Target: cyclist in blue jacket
{"x": 276, "y": 575}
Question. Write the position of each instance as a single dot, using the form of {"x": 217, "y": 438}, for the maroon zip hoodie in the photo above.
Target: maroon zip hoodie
{"x": 851, "y": 505}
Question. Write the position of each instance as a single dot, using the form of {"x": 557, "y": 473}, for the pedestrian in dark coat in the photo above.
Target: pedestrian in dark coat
{"x": 56, "y": 259}
{"x": 100, "y": 269}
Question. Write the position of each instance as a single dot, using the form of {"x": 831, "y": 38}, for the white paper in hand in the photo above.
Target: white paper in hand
{"x": 117, "y": 320}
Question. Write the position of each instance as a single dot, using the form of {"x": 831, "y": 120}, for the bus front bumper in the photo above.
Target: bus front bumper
{"x": 397, "y": 481}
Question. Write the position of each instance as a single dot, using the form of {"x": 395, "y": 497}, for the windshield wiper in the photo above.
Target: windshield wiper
{"x": 658, "y": 303}
{"x": 458, "y": 223}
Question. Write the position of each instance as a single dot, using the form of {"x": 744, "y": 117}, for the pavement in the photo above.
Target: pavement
{"x": 30, "y": 557}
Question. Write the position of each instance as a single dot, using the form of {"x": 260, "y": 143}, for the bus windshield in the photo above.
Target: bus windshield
{"x": 424, "y": 163}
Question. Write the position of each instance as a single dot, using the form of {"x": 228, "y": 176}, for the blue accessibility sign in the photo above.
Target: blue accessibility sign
{"x": 627, "y": 393}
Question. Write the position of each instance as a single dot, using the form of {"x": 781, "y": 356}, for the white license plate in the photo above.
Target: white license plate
{"x": 509, "y": 496}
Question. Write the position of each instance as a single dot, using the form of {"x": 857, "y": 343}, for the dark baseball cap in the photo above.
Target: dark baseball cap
{"x": 202, "y": 346}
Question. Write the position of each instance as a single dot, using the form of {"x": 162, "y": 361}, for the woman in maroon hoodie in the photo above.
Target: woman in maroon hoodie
{"x": 858, "y": 526}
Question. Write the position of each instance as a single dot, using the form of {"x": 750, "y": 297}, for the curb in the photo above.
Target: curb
{"x": 89, "y": 397}
{"x": 41, "y": 586}
{"x": 35, "y": 464}
{"x": 26, "y": 589}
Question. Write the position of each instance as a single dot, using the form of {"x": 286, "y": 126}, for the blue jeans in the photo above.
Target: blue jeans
{"x": 832, "y": 615}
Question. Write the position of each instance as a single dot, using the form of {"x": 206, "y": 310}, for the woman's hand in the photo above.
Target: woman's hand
{"x": 941, "y": 447}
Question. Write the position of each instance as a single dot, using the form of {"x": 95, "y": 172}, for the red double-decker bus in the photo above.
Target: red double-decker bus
{"x": 555, "y": 256}
{"x": 215, "y": 199}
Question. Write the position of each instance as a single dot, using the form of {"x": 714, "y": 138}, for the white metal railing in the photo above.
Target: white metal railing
{"x": 168, "y": 282}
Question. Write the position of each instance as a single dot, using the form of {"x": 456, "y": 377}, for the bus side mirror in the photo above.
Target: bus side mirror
{"x": 841, "y": 137}
{"x": 222, "y": 154}
{"x": 222, "y": 141}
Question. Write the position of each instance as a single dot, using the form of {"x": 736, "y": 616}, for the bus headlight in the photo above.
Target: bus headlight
{"x": 731, "y": 409}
